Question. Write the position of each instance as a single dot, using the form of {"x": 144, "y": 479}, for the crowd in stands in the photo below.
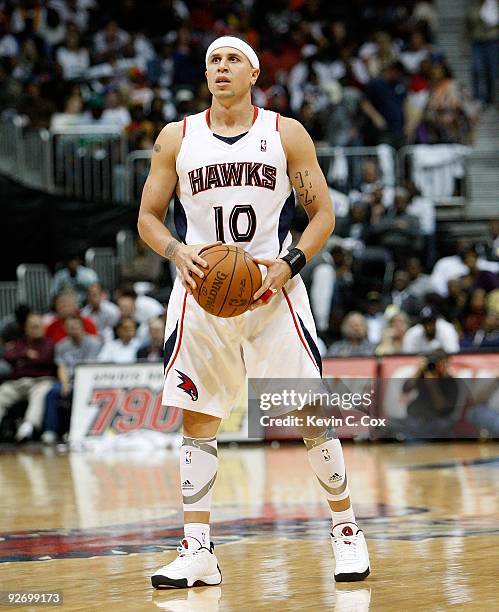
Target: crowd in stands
{"x": 353, "y": 72}
{"x": 362, "y": 307}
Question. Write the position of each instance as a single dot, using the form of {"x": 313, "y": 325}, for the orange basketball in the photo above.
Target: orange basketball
{"x": 230, "y": 281}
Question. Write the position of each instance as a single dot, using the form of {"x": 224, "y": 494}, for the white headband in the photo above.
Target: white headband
{"x": 235, "y": 43}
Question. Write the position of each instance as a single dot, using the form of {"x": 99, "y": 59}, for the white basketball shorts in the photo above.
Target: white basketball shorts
{"x": 208, "y": 359}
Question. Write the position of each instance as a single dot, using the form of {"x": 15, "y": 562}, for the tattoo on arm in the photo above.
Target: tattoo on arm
{"x": 171, "y": 249}
{"x": 304, "y": 187}
{"x": 157, "y": 148}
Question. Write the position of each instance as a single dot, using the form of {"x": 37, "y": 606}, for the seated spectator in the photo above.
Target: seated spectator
{"x": 432, "y": 333}
{"x": 331, "y": 287}
{"x": 401, "y": 295}
{"x": 12, "y": 327}
{"x": 71, "y": 116}
{"x": 32, "y": 361}
{"x": 124, "y": 348}
{"x": 397, "y": 230}
{"x": 453, "y": 266}
{"x": 420, "y": 284}
{"x": 475, "y": 278}
{"x": 73, "y": 56}
{"x": 355, "y": 342}
{"x": 104, "y": 313}
{"x": 397, "y": 323}
{"x": 115, "y": 112}
{"x": 373, "y": 314}
{"x": 111, "y": 39}
{"x": 65, "y": 305}
{"x": 77, "y": 347}
{"x": 154, "y": 350}
{"x": 141, "y": 308}
{"x": 486, "y": 336}
{"x": 356, "y": 225}
{"x": 417, "y": 50}
{"x": 453, "y": 305}
{"x": 445, "y": 119}
{"x": 74, "y": 276}
{"x": 379, "y": 54}
{"x": 474, "y": 312}
{"x": 145, "y": 266}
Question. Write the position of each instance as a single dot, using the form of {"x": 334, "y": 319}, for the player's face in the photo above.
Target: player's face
{"x": 229, "y": 73}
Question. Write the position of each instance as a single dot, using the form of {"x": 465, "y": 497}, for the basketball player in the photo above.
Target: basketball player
{"x": 234, "y": 171}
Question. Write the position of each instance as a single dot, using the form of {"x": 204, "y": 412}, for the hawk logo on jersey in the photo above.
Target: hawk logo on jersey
{"x": 263, "y": 145}
{"x": 234, "y": 174}
{"x": 187, "y": 386}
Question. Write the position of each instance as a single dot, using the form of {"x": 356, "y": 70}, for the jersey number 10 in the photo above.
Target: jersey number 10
{"x": 237, "y": 235}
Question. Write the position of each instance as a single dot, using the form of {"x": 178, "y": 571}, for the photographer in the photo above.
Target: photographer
{"x": 435, "y": 400}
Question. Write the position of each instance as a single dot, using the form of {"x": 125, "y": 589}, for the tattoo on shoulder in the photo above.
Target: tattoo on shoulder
{"x": 171, "y": 249}
{"x": 304, "y": 187}
{"x": 157, "y": 148}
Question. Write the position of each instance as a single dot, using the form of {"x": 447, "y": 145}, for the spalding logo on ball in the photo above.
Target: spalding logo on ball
{"x": 230, "y": 281}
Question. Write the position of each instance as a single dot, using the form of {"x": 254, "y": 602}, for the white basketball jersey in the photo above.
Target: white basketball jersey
{"x": 239, "y": 193}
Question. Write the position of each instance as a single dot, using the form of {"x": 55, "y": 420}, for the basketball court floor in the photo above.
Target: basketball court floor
{"x": 95, "y": 526}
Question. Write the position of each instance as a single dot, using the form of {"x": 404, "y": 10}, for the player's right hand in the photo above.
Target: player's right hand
{"x": 187, "y": 260}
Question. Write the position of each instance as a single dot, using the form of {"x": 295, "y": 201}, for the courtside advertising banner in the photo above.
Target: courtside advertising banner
{"x": 113, "y": 400}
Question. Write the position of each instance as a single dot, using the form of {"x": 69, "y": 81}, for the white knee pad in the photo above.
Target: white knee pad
{"x": 326, "y": 458}
{"x": 198, "y": 472}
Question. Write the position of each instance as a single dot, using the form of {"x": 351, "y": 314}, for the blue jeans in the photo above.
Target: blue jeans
{"x": 52, "y": 420}
{"x": 484, "y": 69}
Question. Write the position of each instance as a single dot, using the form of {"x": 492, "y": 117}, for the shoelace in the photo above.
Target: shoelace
{"x": 346, "y": 548}
{"x": 184, "y": 557}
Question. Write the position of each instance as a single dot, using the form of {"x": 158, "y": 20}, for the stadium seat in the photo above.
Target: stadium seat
{"x": 33, "y": 287}
{"x": 104, "y": 261}
{"x": 8, "y": 298}
{"x": 125, "y": 246}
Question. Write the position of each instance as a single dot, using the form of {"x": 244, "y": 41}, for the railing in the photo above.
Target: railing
{"x": 90, "y": 162}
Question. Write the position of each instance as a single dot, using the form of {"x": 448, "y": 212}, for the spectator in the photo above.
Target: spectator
{"x": 104, "y": 313}
{"x": 77, "y": 347}
{"x": 12, "y": 327}
{"x": 420, "y": 284}
{"x": 72, "y": 56}
{"x": 141, "y": 308}
{"x": 32, "y": 361}
{"x": 474, "y": 312}
{"x": 483, "y": 29}
{"x": 424, "y": 209}
{"x": 486, "y": 336}
{"x": 115, "y": 112}
{"x": 402, "y": 297}
{"x": 355, "y": 342}
{"x": 397, "y": 230}
{"x": 417, "y": 51}
{"x": 75, "y": 277}
{"x": 453, "y": 305}
{"x": 445, "y": 119}
{"x": 387, "y": 94}
{"x": 379, "y": 54}
{"x": 111, "y": 39}
{"x": 453, "y": 266}
{"x": 153, "y": 351}
{"x": 432, "y": 333}
{"x": 476, "y": 278}
{"x": 331, "y": 286}
{"x": 9, "y": 46}
{"x": 146, "y": 266}
{"x": 124, "y": 348}
{"x": 53, "y": 29}
{"x": 397, "y": 323}
{"x": 65, "y": 305}
{"x": 374, "y": 316}
{"x": 71, "y": 116}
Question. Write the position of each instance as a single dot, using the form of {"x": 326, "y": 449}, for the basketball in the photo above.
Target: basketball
{"x": 230, "y": 281}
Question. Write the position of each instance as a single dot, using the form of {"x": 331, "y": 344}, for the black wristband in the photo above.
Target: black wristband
{"x": 296, "y": 260}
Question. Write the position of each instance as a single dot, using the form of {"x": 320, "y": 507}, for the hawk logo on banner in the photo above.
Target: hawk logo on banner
{"x": 187, "y": 386}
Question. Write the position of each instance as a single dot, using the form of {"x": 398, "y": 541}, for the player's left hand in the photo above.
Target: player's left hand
{"x": 278, "y": 274}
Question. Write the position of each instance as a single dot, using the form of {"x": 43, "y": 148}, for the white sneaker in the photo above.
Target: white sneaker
{"x": 350, "y": 552}
{"x": 195, "y": 565}
{"x": 24, "y": 431}
{"x": 49, "y": 437}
